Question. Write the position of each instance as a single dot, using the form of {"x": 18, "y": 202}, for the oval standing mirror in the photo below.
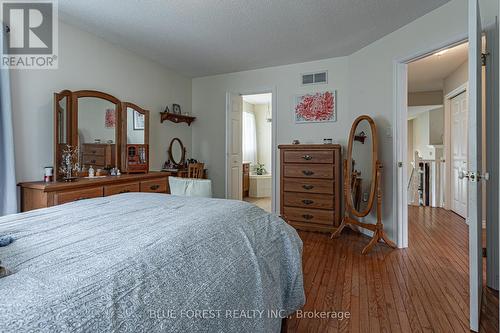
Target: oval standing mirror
{"x": 361, "y": 164}
{"x": 98, "y": 117}
{"x": 362, "y": 182}
{"x": 177, "y": 152}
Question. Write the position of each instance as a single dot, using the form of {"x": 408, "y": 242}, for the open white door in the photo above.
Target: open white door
{"x": 234, "y": 173}
{"x": 475, "y": 159}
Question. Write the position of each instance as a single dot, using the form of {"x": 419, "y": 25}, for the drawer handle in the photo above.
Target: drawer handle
{"x": 308, "y": 187}
{"x": 93, "y": 161}
{"x": 307, "y": 157}
{"x": 307, "y": 216}
{"x": 93, "y": 152}
{"x": 307, "y": 202}
{"x": 307, "y": 172}
{"x": 124, "y": 191}
{"x": 155, "y": 187}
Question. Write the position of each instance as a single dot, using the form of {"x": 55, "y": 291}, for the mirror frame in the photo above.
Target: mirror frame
{"x": 135, "y": 107}
{"x": 98, "y": 94}
{"x": 69, "y": 131}
{"x": 183, "y": 156}
{"x": 373, "y": 187}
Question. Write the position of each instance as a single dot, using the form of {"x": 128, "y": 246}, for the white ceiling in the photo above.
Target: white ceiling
{"x": 204, "y": 37}
{"x": 258, "y": 99}
{"x": 427, "y": 74}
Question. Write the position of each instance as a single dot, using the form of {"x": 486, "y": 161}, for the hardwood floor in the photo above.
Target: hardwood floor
{"x": 422, "y": 288}
{"x": 264, "y": 203}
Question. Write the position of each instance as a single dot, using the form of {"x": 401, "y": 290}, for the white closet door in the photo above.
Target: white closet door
{"x": 459, "y": 116}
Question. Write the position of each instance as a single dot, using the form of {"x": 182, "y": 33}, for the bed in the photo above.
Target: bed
{"x": 143, "y": 262}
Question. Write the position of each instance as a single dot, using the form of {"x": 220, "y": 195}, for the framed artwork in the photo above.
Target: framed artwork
{"x": 315, "y": 107}
{"x": 110, "y": 118}
{"x": 138, "y": 121}
{"x": 176, "y": 108}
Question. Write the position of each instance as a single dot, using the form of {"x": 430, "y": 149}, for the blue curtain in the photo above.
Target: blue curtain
{"x": 8, "y": 191}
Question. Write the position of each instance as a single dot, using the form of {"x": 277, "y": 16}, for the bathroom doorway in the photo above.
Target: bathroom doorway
{"x": 256, "y": 134}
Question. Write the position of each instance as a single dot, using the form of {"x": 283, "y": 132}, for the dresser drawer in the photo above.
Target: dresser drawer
{"x": 93, "y": 160}
{"x": 308, "y": 185}
{"x": 76, "y": 195}
{"x": 308, "y": 200}
{"x": 155, "y": 186}
{"x": 94, "y": 150}
{"x": 324, "y": 171}
{"x": 121, "y": 188}
{"x": 318, "y": 216}
{"x": 311, "y": 156}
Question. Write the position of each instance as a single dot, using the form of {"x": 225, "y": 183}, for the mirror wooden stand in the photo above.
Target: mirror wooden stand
{"x": 357, "y": 173}
{"x": 108, "y": 133}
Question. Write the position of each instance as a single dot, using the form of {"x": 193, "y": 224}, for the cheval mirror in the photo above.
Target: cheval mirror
{"x": 362, "y": 181}
{"x": 136, "y": 139}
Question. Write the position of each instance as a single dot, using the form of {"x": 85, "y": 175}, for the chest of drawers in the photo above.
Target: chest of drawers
{"x": 310, "y": 186}
{"x": 36, "y": 195}
{"x": 98, "y": 155}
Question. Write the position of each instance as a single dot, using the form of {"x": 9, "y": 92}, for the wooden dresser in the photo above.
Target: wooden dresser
{"x": 310, "y": 186}
{"x": 36, "y": 195}
{"x": 98, "y": 155}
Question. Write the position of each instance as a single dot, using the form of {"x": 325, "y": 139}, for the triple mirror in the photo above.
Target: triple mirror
{"x": 99, "y": 130}
{"x": 362, "y": 181}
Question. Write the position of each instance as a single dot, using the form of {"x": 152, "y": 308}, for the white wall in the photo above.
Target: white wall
{"x": 88, "y": 62}
{"x": 91, "y": 120}
{"x": 365, "y": 84}
{"x": 134, "y": 136}
{"x": 209, "y": 104}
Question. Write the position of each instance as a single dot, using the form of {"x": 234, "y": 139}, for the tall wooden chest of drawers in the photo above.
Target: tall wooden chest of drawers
{"x": 310, "y": 186}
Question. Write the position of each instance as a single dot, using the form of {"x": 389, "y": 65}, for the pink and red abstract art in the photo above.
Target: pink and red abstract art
{"x": 110, "y": 118}
{"x": 317, "y": 107}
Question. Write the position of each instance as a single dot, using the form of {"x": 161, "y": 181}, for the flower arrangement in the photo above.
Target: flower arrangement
{"x": 260, "y": 169}
{"x": 69, "y": 162}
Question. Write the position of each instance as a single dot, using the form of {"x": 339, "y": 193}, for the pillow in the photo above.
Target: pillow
{"x": 190, "y": 187}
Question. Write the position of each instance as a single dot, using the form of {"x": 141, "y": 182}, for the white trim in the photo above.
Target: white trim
{"x": 400, "y": 132}
{"x": 457, "y": 91}
{"x": 274, "y": 129}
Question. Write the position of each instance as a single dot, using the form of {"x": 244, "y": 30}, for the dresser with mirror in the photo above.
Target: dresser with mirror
{"x": 109, "y": 141}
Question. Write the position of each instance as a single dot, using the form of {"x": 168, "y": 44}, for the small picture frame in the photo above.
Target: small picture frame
{"x": 167, "y": 109}
{"x": 138, "y": 121}
{"x": 176, "y": 109}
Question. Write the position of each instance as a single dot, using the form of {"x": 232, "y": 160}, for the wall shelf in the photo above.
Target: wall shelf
{"x": 176, "y": 118}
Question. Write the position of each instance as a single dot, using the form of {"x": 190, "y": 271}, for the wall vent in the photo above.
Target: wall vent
{"x": 315, "y": 78}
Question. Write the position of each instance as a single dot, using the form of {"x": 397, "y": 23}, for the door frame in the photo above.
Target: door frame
{"x": 274, "y": 114}
{"x": 400, "y": 112}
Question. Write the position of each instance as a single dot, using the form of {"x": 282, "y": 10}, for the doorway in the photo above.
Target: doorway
{"x": 482, "y": 57}
{"x": 251, "y": 132}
